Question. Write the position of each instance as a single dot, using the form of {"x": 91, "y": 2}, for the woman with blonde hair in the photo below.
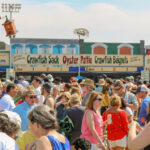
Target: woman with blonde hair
{"x": 92, "y": 123}
{"x": 117, "y": 124}
{"x": 75, "y": 90}
{"x": 62, "y": 103}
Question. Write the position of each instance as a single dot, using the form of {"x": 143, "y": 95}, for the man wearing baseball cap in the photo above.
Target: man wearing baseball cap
{"x": 142, "y": 92}
{"x": 130, "y": 98}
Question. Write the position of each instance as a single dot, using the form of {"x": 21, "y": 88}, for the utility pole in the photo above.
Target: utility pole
{"x": 80, "y": 32}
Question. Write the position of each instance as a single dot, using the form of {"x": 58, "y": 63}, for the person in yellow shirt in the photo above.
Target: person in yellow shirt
{"x": 105, "y": 98}
{"x": 26, "y": 138}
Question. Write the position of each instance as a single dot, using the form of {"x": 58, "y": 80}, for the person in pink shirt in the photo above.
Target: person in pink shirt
{"x": 92, "y": 123}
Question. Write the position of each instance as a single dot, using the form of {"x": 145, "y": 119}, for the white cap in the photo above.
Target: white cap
{"x": 50, "y": 77}
{"x": 142, "y": 88}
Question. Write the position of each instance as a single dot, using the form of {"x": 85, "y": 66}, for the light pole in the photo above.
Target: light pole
{"x": 80, "y": 32}
{"x": 10, "y": 8}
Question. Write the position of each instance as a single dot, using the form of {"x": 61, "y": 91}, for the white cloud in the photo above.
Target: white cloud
{"x": 106, "y": 23}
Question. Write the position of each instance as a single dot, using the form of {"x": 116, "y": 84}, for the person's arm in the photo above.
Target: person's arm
{"x": 143, "y": 115}
{"x": 105, "y": 123}
{"x": 107, "y": 98}
{"x": 38, "y": 93}
{"x": 90, "y": 123}
{"x": 141, "y": 140}
{"x": 147, "y": 110}
{"x": 132, "y": 106}
{"x": 134, "y": 103}
{"x": 30, "y": 146}
{"x": 5, "y": 105}
{"x": 40, "y": 144}
{"x": 50, "y": 102}
{"x": 59, "y": 103}
{"x": 43, "y": 145}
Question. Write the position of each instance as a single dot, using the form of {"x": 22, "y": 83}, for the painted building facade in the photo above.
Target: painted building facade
{"x": 44, "y": 46}
{"x": 114, "y": 48}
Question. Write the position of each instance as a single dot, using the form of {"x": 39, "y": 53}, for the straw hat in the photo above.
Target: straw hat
{"x": 134, "y": 88}
{"x": 29, "y": 93}
{"x": 67, "y": 94}
{"x": 75, "y": 98}
{"x": 101, "y": 82}
{"x": 88, "y": 82}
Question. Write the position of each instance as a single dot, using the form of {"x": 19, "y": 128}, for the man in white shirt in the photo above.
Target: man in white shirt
{"x": 7, "y": 102}
{"x": 37, "y": 84}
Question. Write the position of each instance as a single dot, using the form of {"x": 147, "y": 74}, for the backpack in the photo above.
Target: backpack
{"x": 66, "y": 126}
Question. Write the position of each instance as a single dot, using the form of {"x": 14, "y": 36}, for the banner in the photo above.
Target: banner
{"x": 112, "y": 69}
{"x": 147, "y": 62}
{"x": 23, "y": 69}
{"x": 10, "y": 72}
{"x": 4, "y": 59}
{"x": 75, "y": 60}
{"x": 145, "y": 75}
{"x": 40, "y": 69}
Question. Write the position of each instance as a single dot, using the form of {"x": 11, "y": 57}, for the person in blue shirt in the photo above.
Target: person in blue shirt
{"x": 100, "y": 84}
{"x": 142, "y": 92}
{"x": 44, "y": 126}
{"x": 7, "y": 102}
{"x": 23, "y": 109}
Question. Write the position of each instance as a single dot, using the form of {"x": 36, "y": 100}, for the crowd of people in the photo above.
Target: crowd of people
{"x": 47, "y": 113}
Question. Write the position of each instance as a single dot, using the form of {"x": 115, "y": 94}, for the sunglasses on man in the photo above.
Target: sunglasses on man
{"x": 31, "y": 97}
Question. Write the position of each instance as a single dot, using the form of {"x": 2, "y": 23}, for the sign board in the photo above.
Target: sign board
{"x": 147, "y": 62}
{"x": 75, "y": 60}
{"x": 145, "y": 75}
{"x": 4, "y": 59}
{"x": 112, "y": 69}
{"x": 51, "y": 69}
{"x": 23, "y": 69}
{"x": 58, "y": 69}
{"x": 10, "y": 72}
{"x": 40, "y": 69}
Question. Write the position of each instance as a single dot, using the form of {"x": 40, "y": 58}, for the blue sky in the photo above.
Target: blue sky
{"x": 133, "y": 5}
{"x": 107, "y": 20}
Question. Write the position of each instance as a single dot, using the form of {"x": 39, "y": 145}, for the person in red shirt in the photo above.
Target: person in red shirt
{"x": 117, "y": 124}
